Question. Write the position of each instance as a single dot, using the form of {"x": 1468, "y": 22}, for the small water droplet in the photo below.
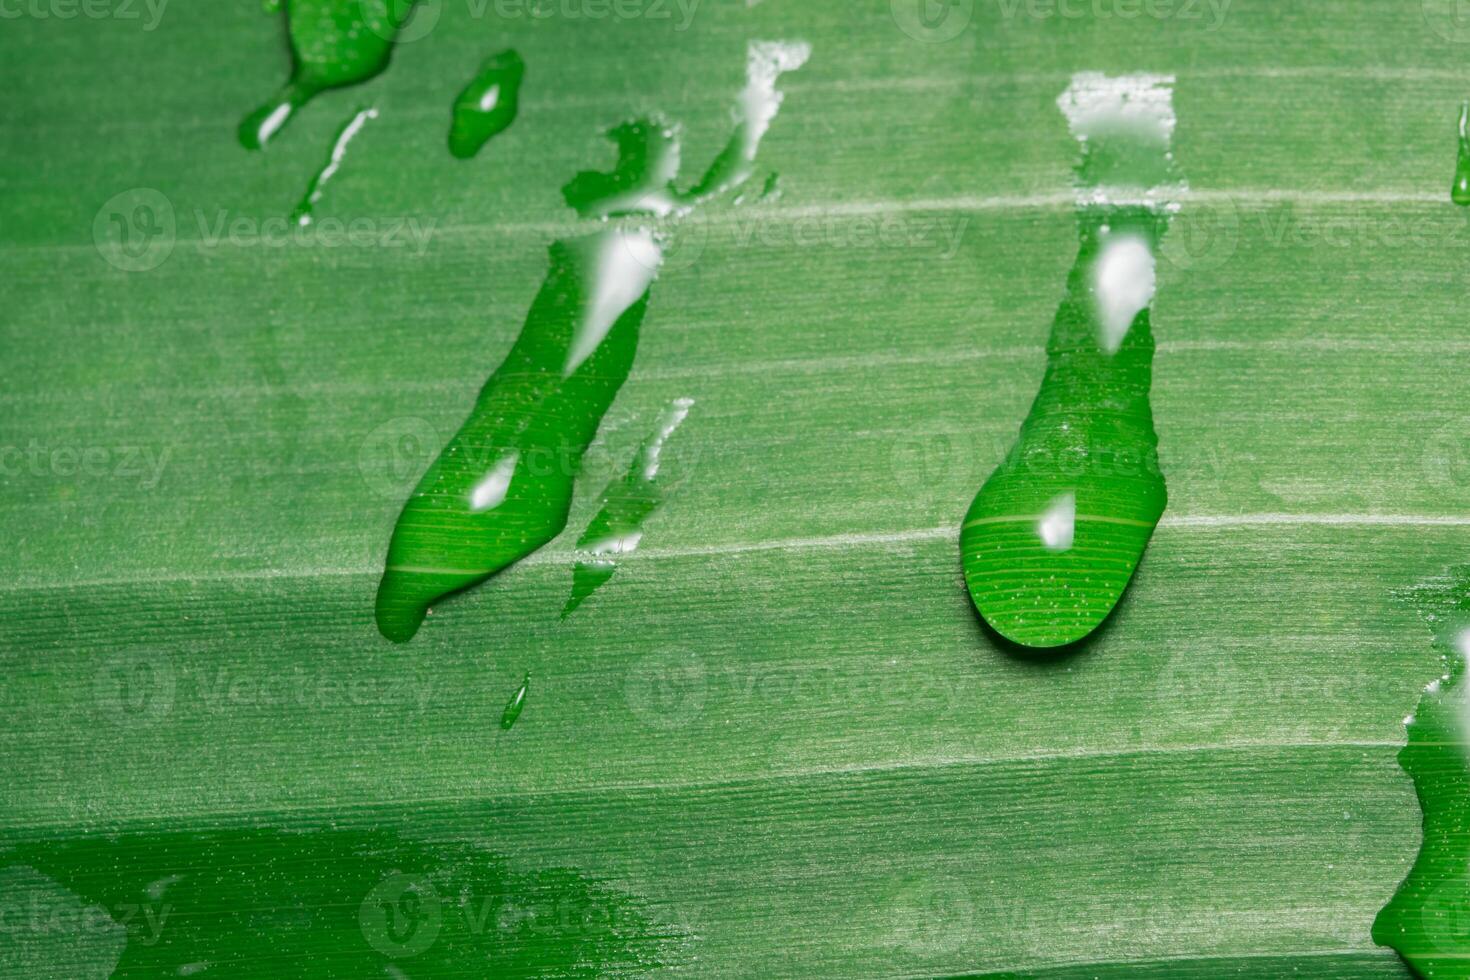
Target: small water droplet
{"x": 516, "y": 704}
{"x": 488, "y": 104}
{"x": 302, "y": 215}
{"x": 616, "y": 530}
{"x": 333, "y": 44}
{"x": 1460, "y": 190}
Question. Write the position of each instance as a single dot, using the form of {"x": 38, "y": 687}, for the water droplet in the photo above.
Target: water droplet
{"x": 1054, "y": 535}
{"x": 488, "y": 104}
{"x": 467, "y": 519}
{"x": 626, "y": 504}
{"x": 515, "y": 705}
{"x": 649, "y": 157}
{"x": 766, "y": 62}
{"x": 333, "y": 44}
{"x": 1426, "y": 919}
{"x": 642, "y": 181}
{"x": 1460, "y": 190}
{"x": 502, "y": 487}
{"x": 302, "y": 215}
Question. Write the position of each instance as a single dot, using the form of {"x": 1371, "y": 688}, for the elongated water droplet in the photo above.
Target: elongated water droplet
{"x": 1054, "y": 535}
{"x": 503, "y": 485}
{"x": 488, "y": 104}
{"x": 302, "y": 215}
{"x": 1426, "y": 918}
{"x": 334, "y": 43}
{"x": 1460, "y": 190}
{"x": 516, "y": 704}
{"x": 617, "y": 528}
{"x": 766, "y": 62}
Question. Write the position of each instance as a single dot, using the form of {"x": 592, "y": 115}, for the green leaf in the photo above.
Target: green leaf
{"x": 779, "y": 729}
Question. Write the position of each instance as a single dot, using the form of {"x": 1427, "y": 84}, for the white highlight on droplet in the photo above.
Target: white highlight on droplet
{"x": 1058, "y": 526}
{"x": 1123, "y": 283}
{"x": 1456, "y": 697}
{"x": 766, "y": 62}
{"x": 334, "y": 162}
{"x": 617, "y": 544}
{"x": 672, "y": 418}
{"x": 627, "y": 261}
{"x": 1137, "y": 110}
{"x": 156, "y": 889}
{"x": 1462, "y": 642}
{"x": 273, "y": 122}
{"x": 1140, "y": 107}
{"x": 490, "y": 98}
{"x": 490, "y": 492}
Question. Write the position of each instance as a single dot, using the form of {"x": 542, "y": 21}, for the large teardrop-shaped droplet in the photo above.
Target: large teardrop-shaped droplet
{"x": 1053, "y": 537}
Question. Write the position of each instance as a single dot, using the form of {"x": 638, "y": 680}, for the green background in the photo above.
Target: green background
{"x": 780, "y": 724}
